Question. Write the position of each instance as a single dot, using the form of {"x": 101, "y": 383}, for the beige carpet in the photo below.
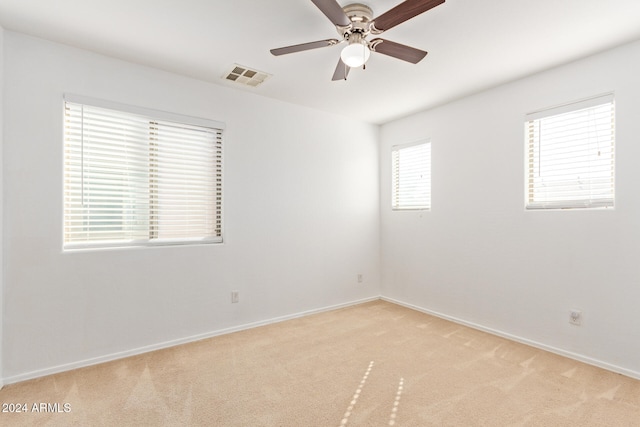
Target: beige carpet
{"x": 375, "y": 364}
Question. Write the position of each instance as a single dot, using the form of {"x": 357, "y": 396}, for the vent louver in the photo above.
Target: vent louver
{"x": 246, "y": 76}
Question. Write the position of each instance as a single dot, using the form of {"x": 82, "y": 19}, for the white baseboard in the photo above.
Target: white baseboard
{"x": 576, "y": 356}
{"x": 141, "y": 350}
{"x": 159, "y": 346}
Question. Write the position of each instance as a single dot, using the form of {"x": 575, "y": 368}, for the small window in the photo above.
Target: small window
{"x": 570, "y": 155}
{"x": 135, "y": 177}
{"x": 411, "y": 176}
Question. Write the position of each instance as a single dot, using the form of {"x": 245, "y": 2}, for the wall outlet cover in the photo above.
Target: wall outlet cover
{"x": 575, "y": 317}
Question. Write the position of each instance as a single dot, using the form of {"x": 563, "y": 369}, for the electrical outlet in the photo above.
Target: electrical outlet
{"x": 235, "y": 297}
{"x": 575, "y": 317}
{"x": 359, "y": 278}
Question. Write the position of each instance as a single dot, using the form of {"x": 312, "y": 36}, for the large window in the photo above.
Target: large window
{"x": 411, "y": 176}
{"x": 570, "y": 155}
{"x": 136, "y": 177}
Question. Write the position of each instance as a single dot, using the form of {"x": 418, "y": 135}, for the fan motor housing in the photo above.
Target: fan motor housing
{"x": 360, "y": 16}
{"x": 358, "y": 12}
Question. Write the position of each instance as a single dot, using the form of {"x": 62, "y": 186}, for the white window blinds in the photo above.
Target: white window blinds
{"x": 411, "y": 176}
{"x": 136, "y": 179}
{"x": 570, "y": 155}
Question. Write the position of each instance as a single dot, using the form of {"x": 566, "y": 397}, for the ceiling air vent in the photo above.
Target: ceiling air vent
{"x": 246, "y": 76}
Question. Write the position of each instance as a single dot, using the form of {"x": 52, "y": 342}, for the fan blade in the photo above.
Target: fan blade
{"x": 342, "y": 71}
{"x": 333, "y": 11}
{"x": 403, "y": 12}
{"x": 304, "y": 46}
{"x": 397, "y": 50}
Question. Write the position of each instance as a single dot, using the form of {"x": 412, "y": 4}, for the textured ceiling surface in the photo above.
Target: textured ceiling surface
{"x": 473, "y": 45}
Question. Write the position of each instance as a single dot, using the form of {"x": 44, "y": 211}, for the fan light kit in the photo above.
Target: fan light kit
{"x": 354, "y": 22}
{"x": 357, "y": 53}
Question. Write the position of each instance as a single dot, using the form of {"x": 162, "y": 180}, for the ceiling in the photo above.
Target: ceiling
{"x": 473, "y": 45}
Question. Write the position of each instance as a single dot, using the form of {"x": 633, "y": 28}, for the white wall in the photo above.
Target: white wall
{"x": 479, "y": 258}
{"x": 1, "y": 199}
{"x": 301, "y": 218}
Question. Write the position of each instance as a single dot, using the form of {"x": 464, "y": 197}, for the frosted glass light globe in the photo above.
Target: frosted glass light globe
{"x": 356, "y": 54}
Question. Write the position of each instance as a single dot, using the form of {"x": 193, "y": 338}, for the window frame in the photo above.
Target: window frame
{"x": 154, "y": 117}
{"x": 395, "y": 202}
{"x": 532, "y": 154}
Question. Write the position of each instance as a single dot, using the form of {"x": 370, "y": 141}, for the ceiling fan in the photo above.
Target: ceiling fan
{"x": 354, "y": 23}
